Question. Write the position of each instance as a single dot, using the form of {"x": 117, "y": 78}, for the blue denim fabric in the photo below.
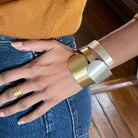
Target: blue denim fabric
{"x": 70, "y": 118}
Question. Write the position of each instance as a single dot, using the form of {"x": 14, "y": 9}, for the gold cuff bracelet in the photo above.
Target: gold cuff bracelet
{"x": 87, "y": 52}
{"x": 86, "y": 74}
{"x": 78, "y": 67}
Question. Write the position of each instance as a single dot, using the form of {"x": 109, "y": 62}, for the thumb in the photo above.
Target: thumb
{"x": 34, "y": 45}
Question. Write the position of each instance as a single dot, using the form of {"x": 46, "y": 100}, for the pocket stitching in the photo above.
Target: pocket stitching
{"x": 71, "y": 104}
{"x": 71, "y": 112}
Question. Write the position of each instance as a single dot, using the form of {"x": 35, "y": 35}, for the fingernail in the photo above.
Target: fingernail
{"x": 2, "y": 114}
{"x": 16, "y": 44}
{"x": 20, "y": 122}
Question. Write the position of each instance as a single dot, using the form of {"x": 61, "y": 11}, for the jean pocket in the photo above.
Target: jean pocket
{"x": 11, "y": 57}
{"x": 81, "y": 111}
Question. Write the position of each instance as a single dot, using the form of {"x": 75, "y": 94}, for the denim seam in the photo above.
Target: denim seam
{"x": 5, "y": 41}
{"x": 71, "y": 104}
{"x": 83, "y": 134}
{"x": 75, "y": 115}
{"x": 73, "y": 45}
{"x": 59, "y": 39}
{"x": 70, "y": 44}
{"x": 71, "y": 117}
{"x": 30, "y": 56}
{"x": 46, "y": 123}
{"x": 72, "y": 108}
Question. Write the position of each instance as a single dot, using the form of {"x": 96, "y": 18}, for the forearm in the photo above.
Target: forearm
{"x": 111, "y": 51}
{"x": 122, "y": 44}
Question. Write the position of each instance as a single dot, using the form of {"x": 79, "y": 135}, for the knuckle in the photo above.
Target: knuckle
{"x": 37, "y": 83}
{"x": 23, "y": 104}
{"x": 9, "y": 94}
{"x": 28, "y": 71}
{"x": 45, "y": 92}
{"x": 4, "y": 77}
{"x": 34, "y": 70}
{"x": 35, "y": 67}
{"x": 31, "y": 69}
{"x": 30, "y": 83}
{"x": 48, "y": 93}
{"x": 48, "y": 79}
{"x": 40, "y": 81}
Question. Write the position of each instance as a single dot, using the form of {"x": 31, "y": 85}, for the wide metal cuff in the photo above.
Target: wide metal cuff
{"x": 87, "y": 52}
{"x": 78, "y": 67}
{"x": 96, "y": 46}
{"x": 98, "y": 71}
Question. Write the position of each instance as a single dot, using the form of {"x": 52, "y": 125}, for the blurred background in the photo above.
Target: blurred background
{"x": 114, "y": 102}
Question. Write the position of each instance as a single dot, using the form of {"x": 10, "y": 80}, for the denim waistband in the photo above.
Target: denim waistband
{"x": 7, "y": 38}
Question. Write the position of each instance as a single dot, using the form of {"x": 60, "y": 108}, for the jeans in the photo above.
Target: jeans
{"x": 70, "y": 118}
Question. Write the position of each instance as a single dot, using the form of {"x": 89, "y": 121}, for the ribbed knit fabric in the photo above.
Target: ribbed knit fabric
{"x": 40, "y": 19}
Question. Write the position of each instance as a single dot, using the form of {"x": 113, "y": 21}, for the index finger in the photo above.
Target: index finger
{"x": 13, "y": 75}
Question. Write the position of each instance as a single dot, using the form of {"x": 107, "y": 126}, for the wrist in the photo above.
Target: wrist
{"x": 97, "y": 59}
{"x": 89, "y": 66}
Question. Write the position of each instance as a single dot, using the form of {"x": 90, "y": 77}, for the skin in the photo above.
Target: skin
{"x": 44, "y": 74}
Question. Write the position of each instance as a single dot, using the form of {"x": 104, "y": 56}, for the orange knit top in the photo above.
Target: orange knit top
{"x": 40, "y": 19}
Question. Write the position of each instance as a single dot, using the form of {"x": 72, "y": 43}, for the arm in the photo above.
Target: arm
{"x": 48, "y": 75}
{"x": 122, "y": 44}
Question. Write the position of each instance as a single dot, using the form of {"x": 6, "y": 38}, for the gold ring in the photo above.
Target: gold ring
{"x": 16, "y": 91}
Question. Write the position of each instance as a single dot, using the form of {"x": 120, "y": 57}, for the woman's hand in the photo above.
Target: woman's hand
{"x": 47, "y": 75}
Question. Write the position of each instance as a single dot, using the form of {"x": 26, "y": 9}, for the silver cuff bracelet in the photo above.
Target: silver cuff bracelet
{"x": 98, "y": 71}
{"x": 96, "y": 46}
